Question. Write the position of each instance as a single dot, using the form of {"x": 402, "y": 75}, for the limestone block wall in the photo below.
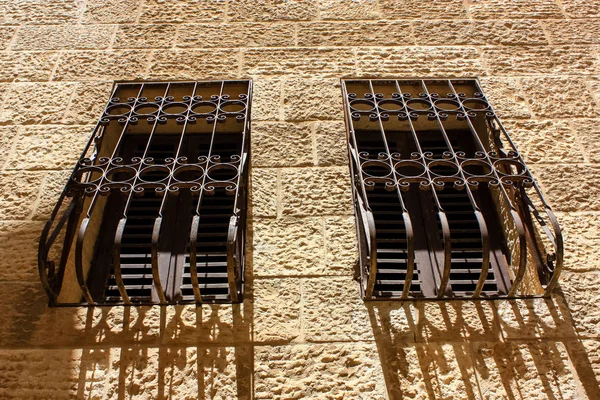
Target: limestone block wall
{"x": 303, "y": 331}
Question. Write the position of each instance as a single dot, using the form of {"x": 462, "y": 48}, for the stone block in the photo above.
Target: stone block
{"x": 27, "y": 66}
{"x": 498, "y": 9}
{"x": 277, "y": 310}
{"x": 18, "y": 194}
{"x": 559, "y": 97}
{"x": 315, "y": 191}
{"x": 41, "y": 12}
{"x": 54, "y": 183}
{"x": 580, "y": 291}
{"x": 464, "y": 32}
{"x": 7, "y": 141}
{"x": 282, "y": 144}
{"x": 145, "y": 36}
{"x": 273, "y": 10}
{"x": 573, "y": 31}
{"x": 56, "y": 147}
{"x": 266, "y": 99}
{"x": 405, "y": 9}
{"x": 289, "y": 246}
{"x": 334, "y": 311}
{"x": 87, "y": 102}
{"x": 312, "y": 99}
{"x": 381, "y": 33}
{"x": 348, "y": 370}
{"x": 581, "y": 8}
{"x": 581, "y": 233}
{"x": 51, "y": 101}
{"x": 245, "y": 34}
{"x": 263, "y": 192}
{"x": 299, "y": 62}
{"x": 530, "y": 60}
{"x": 570, "y": 187}
{"x": 341, "y": 253}
{"x": 191, "y": 64}
{"x": 506, "y": 97}
{"x": 19, "y": 249}
{"x": 21, "y": 307}
{"x": 102, "y": 65}
{"x": 532, "y": 370}
{"x": 6, "y": 36}
{"x": 332, "y": 148}
{"x": 419, "y": 61}
{"x": 110, "y": 11}
{"x": 63, "y": 37}
{"x": 177, "y": 11}
{"x": 345, "y": 10}
{"x": 545, "y": 141}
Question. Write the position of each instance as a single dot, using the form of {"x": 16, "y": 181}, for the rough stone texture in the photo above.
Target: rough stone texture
{"x": 312, "y": 191}
{"x": 569, "y": 98}
{"x": 64, "y": 37}
{"x": 145, "y": 36}
{"x": 272, "y": 140}
{"x": 302, "y": 331}
{"x": 236, "y": 35}
{"x": 380, "y": 33}
{"x": 339, "y": 370}
{"x": 448, "y": 32}
{"x": 545, "y": 141}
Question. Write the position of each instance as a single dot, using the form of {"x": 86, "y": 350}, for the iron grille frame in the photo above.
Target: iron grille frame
{"x": 93, "y": 177}
{"x": 508, "y": 177}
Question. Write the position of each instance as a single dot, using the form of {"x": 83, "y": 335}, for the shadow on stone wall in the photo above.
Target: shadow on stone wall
{"x": 488, "y": 349}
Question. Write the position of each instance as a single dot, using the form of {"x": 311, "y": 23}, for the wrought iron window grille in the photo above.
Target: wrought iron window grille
{"x": 154, "y": 211}
{"x": 445, "y": 206}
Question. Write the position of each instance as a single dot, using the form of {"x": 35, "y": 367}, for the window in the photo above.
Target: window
{"x": 445, "y": 206}
{"x": 155, "y": 209}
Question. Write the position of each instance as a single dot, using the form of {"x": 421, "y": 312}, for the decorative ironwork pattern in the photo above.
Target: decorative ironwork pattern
{"x": 180, "y": 142}
{"x": 443, "y": 137}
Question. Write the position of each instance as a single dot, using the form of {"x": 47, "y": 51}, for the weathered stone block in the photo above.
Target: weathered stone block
{"x": 64, "y": 37}
{"x": 573, "y": 31}
{"x": 588, "y": 133}
{"x": 315, "y": 191}
{"x": 498, "y": 9}
{"x": 263, "y": 192}
{"x": 41, "y": 12}
{"x": 21, "y": 307}
{"x": 289, "y": 246}
{"x": 54, "y": 183}
{"x": 559, "y": 97}
{"x": 266, "y": 99}
{"x": 506, "y": 97}
{"x": 334, "y": 311}
{"x": 539, "y": 60}
{"x": 190, "y": 64}
{"x": 19, "y": 248}
{"x": 331, "y": 143}
{"x": 277, "y": 305}
{"x": 580, "y": 294}
{"x": 51, "y": 101}
{"x": 464, "y": 32}
{"x": 571, "y": 187}
{"x": 18, "y": 194}
{"x": 532, "y": 370}
{"x": 403, "y": 9}
{"x": 419, "y": 61}
{"x": 299, "y": 62}
{"x": 7, "y": 140}
{"x": 349, "y": 370}
{"x": 110, "y": 11}
{"x": 102, "y": 65}
{"x": 581, "y": 234}
{"x": 138, "y": 36}
{"x": 382, "y": 33}
{"x": 272, "y": 10}
{"x": 87, "y": 102}
{"x": 160, "y": 11}
{"x": 312, "y": 99}
{"x": 236, "y": 35}
{"x": 344, "y": 10}
{"x": 281, "y": 144}
{"x": 40, "y": 147}
{"x": 581, "y": 8}
{"x": 340, "y": 244}
{"x": 545, "y": 141}
{"x": 6, "y": 36}
{"x": 28, "y": 66}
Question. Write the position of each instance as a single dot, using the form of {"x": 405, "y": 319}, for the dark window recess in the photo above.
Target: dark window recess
{"x": 155, "y": 210}
{"x": 445, "y": 205}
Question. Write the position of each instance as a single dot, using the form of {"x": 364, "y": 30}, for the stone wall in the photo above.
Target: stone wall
{"x": 303, "y": 331}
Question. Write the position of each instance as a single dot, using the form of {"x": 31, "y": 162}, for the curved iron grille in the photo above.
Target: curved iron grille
{"x": 445, "y": 205}
{"x": 155, "y": 209}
